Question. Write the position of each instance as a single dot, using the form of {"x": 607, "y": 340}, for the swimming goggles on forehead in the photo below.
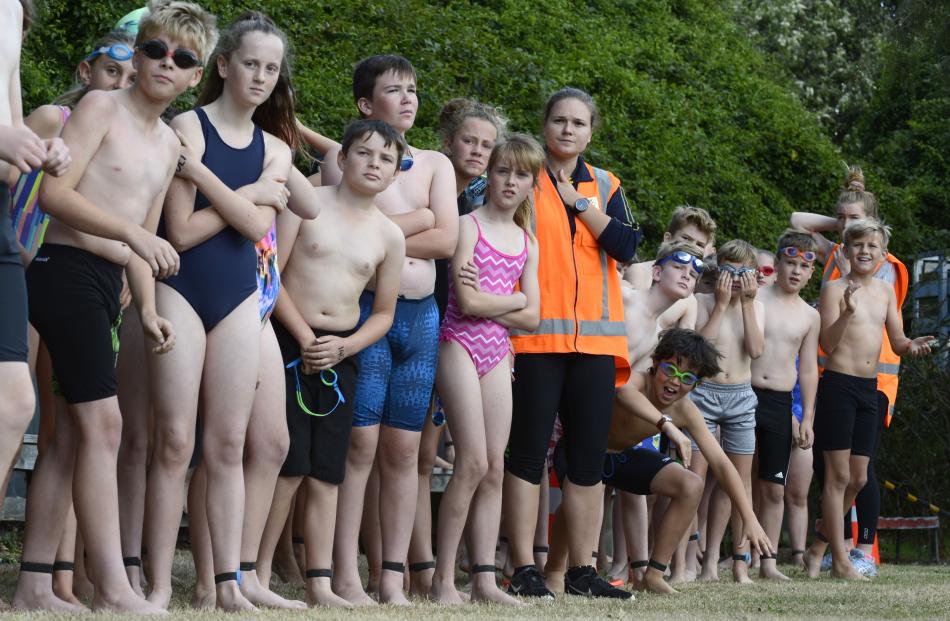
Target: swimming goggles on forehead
{"x": 685, "y": 377}
{"x": 735, "y": 271}
{"x": 684, "y": 258}
{"x": 116, "y": 51}
{"x": 332, "y": 382}
{"x": 792, "y": 252}
{"x": 156, "y": 49}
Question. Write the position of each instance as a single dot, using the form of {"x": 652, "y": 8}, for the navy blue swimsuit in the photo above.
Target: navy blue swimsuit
{"x": 220, "y": 273}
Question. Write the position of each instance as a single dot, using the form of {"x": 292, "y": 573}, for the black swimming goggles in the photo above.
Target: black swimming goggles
{"x": 331, "y": 383}
{"x": 156, "y": 49}
{"x": 684, "y": 258}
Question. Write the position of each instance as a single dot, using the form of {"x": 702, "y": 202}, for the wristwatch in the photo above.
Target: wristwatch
{"x": 663, "y": 420}
{"x": 581, "y": 205}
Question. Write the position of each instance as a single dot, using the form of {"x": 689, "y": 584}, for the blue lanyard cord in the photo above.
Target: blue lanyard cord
{"x": 334, "y": 383}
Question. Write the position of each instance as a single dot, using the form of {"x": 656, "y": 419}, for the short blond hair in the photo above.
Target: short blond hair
{"x": 697, "y": 216}
{"x": 185, "y": 22}
{"x": 858, "y": 229}
{"x": 737, "y": 251}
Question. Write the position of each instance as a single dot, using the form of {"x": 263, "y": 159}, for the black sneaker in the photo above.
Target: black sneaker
{"x": 586, "y": 581}
{"x": 527, "y": 581}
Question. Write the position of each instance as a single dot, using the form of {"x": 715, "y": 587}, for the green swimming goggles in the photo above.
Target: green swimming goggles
{"x": 333, "y": 382}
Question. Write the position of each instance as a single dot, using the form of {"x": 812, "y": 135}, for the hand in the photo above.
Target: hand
{"x": 683, "y": 444}
{"x": 155, "y": 251}
{"x": 750, "y": 286}
{"x": 920, "y": 346}
{"x": 189, "y": 160}
{"x": 22, "y": 148}
{"x": 325, "y": 352}
{"x": 753, "y": 533}
{"x": 521, "y": 298}
{"x": 848, "y": 302}
{"x": 427, "y": 216}
{"x": 57, "y": 157}
{"x": 806, "y": 436}
{"x": 160, "y": 330}
{"x": 724, "y": 288}
{"x": 271, "y": 192}
{"x": 564, "y": 187}
{"x": 468, "y": 275}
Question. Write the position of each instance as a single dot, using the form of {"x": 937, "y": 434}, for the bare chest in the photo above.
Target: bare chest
{"x": 340, "y": 246}
{"x": 410, "y": 191}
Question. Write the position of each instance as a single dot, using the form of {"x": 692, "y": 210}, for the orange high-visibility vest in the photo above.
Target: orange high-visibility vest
{"x": 581, "y": 306}
{"x": 892, "y": 271}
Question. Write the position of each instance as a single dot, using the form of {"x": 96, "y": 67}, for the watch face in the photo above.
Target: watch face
{"x": 581, "y": 205}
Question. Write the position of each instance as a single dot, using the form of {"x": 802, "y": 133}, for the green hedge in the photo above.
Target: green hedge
{"x": 692, "y": 112}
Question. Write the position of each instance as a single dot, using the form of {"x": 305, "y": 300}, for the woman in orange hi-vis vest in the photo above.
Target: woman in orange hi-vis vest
{"x": 571, "y": 364}
{"x": 855, "y": 203}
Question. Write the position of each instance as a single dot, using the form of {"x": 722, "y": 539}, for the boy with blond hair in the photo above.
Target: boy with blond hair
{"x": 732, "y": 320}
{"x": 853, "y": 311}
{"x": 120, "y": 148}
{"x": 794, "y": 334}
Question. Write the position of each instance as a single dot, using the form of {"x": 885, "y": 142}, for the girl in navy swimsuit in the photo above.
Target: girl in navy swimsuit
{"x": 241, "y": 131}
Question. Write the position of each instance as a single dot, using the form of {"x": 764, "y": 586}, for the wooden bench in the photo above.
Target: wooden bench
{"x": 14, "y": 507}
{"x": 900, "y": 524}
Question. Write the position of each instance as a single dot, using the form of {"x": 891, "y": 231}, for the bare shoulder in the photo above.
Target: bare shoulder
{"x": 275, "y": 147}
{"x": 97, "y": 103}
{"x": 705, "y": 300}
{"x": 434, "y": 162}
{"x": 186, "y": 121}
{"x": 686, "y": 415}
{"x": 389, "y": 230}
{"x": 46, "y": 121}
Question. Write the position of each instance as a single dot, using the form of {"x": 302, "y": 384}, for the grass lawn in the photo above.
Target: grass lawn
{"x": 900, "y": 592}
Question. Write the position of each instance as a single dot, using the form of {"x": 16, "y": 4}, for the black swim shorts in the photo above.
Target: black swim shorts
{"x": 773, "y": 434}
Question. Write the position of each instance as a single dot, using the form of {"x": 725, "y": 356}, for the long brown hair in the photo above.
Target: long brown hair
{"x": 276, "y": 115}
{"x": 521, "y": 152}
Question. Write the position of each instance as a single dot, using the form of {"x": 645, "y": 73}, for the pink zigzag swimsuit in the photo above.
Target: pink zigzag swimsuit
{"x": 485, "y": 340}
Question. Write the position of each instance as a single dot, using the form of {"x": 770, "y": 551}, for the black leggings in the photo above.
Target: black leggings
{"x": 868, "y": 501}
{"x": 579, "y": 388}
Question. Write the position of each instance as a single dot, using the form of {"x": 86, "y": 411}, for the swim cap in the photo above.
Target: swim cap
{"x": 130, "y": 23}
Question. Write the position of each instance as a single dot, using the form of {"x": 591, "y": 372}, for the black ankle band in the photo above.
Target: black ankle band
{"x": 694, "y": 537}
{"x": 820, "y": 537}
{"x": 131, "y": 561}
{"x": 638, "y": 564}
{"x": 393, "y": 566}
{"x": 798, "y": 552}
{"x": 483, "y": 569}
{"x": 295, "y": 540}
{"x": 226, "y": 577}
{"x": 660, "y": 567}
{"x": 502, "y": 539}
{"x": 422, "y": 566}
{"x": 319, "y": 573}
{"x": 741, "y": 557}
{"x": 36, "y": 568}
{"x": 248, "y": 567}
{"x": 766, "y": 557}
{"x": 541, "y": 549}
{"x": 594, "y": 555}
{"x": 64, "y": 566}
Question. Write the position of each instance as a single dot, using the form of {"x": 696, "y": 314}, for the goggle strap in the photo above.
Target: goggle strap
{"x": 295, "y": 365}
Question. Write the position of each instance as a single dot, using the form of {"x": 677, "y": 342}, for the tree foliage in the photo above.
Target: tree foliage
{"x": 692, "y": 111}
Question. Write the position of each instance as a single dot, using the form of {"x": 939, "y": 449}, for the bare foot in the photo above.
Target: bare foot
{"x": 554, "y": 580}
{"x": 654, "y": 583}
{"x": 135, "y": 579}
{"x": 127, "y": 602}
{"x": 319, "y": 593}
{"x": 812, "y": 559}
{"x": 82, "y": 587}
{"x": 63, "y": 588}
{"x": 228, "y": 597}
{"x": 846, "y": 571}
{"x": 203, "y": 599}
{"x": 420, "y": 582}
{"x": 255, "y": 593}
{"x": 445, "y": 594}
{"x": 41, "y": 597}
{"x": 769, "y": 571}
{"x": 709, "y": 574}
{"x": 740, "y": 572}
{"x": 160, "y": 597}
{"x": 354, "y": 594}
{"x": 287, "y": 571}
{"x": 798, "y": 559}
{"x": 393, "y": 596}
{"x": 494, "y": 595}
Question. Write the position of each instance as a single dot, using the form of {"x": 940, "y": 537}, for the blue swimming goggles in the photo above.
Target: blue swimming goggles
{"x": 332, "y": 383}
{"x": 116, "y": 51}
{"x": 406, "y": 162}
{"x": 684, "y": 258}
